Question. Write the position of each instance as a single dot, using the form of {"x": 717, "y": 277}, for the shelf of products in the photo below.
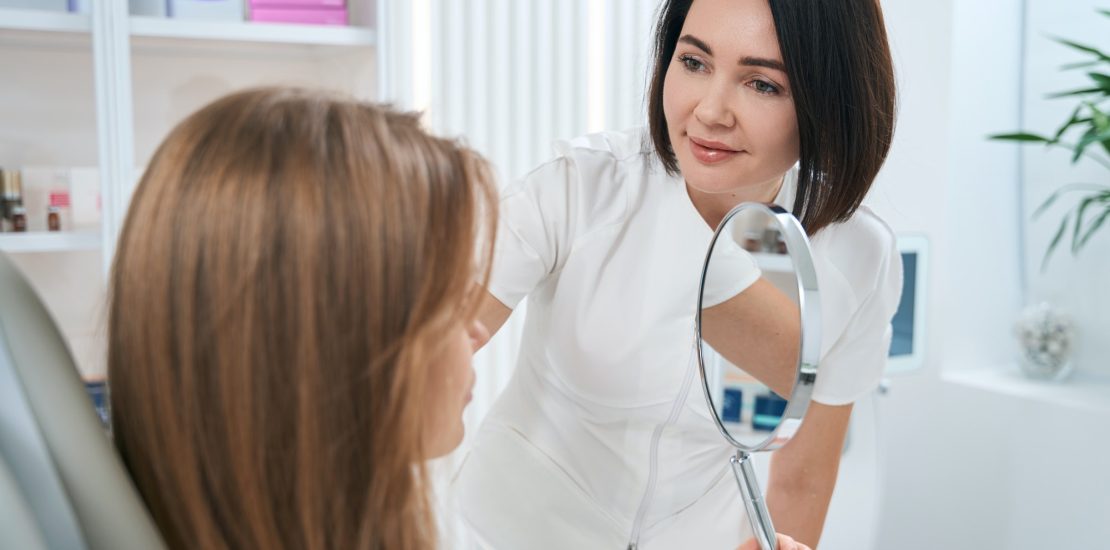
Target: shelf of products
{"x": 55, "y": 241}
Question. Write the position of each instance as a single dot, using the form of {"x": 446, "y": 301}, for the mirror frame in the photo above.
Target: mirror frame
{"x": 809, "y": 307}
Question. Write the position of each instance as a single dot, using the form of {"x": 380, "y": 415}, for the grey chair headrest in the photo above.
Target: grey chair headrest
{"x": 51, "y": 438}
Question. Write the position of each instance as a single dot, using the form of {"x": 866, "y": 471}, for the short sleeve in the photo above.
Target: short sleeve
{"x": 731, "y": 271}
{"x": 855, "y": 363}
{"x": 534, "y": 230}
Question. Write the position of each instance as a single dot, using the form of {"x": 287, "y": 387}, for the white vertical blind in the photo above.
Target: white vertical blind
{"x": 629, "y": 26}
{"x": 511, "y": 77}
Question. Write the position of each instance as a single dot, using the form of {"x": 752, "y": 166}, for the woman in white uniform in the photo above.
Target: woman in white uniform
{"x": 601, "y": 439}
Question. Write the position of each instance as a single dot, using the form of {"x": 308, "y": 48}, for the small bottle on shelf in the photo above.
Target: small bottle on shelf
{"x": 11, "y": 192}
{"x": 752, "y": 242}
{"x": 19, "y": 219}
{"x": 780, "y": 245}
{"x": 53, "y": 218}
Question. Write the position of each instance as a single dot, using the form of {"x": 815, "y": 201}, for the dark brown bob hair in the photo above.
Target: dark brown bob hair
{"x": 842, "y": 79}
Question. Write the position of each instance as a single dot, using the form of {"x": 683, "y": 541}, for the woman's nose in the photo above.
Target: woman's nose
{"x": 713, "y": 107}
{"x": 478, "y": 333}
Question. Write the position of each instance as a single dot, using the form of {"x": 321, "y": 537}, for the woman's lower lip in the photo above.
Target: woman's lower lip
{"x": 705, "y": 155}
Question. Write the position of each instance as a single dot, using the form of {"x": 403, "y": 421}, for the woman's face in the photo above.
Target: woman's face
{"x": 452, "y": 379}
{"x": 727, "y": 101}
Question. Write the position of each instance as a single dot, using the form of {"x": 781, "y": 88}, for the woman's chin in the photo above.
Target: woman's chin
{"x": 446, "y": 443}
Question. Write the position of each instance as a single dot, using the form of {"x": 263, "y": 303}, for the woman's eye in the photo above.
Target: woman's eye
{"x": 764, "y": 87}
{"x": 691, "y": 64}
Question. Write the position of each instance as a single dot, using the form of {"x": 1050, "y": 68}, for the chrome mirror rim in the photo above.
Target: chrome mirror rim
{"x": 809, "y": 308}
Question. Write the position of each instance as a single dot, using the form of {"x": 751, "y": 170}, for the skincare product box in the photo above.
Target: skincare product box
{"x": 151, "y": 8}
{"x": 300, "y": 4}
{"x": 307, "y": 16}
{"x": 42, "y": 5}
{"x": 212, "y": 10}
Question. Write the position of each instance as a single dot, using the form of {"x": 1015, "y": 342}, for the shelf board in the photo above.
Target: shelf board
{"x": 245, "y": 31}
{"x": 774, "y": 262}
{"x": 1085, "y": 391}
{"x": 62, "y": 241}
{"x": 44, "y": 21}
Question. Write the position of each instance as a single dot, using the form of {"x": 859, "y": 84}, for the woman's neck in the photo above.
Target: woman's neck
{"x": 714, "y": 206}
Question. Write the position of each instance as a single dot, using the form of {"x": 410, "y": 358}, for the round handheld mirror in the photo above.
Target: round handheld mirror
{"x": 758, "y": 339}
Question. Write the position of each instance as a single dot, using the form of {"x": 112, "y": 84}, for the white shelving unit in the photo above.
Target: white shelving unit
{"x": 103, "y": 89}
{"x": 49, "y": 242}
{"x": 115, "y": 37}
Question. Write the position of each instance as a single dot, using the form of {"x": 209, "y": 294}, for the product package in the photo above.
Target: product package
{"x": 309, "y": 12}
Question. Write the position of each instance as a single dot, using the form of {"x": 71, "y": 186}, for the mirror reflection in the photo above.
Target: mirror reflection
{"x": 749, "y": 386}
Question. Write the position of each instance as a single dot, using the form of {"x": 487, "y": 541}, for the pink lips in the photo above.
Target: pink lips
{"x": 711, "y": 152}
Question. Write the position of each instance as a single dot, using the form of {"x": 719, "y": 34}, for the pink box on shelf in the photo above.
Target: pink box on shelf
{"x": 303, "y": 16}
{"x": 302, "y": 4}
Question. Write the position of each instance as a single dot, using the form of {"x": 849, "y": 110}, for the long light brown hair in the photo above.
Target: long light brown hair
{"x": 290, "y": 262}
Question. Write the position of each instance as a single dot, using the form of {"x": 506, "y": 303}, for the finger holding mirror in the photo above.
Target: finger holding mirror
{"x": 758, "y": 338}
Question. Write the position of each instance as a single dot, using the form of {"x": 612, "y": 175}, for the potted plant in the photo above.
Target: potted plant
{"x": 1086, "y": 134}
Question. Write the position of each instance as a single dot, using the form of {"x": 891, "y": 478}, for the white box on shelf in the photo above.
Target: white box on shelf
{"x": 84, "y": 189}
{"x": 41, "y": 5}
{"x": 217, "y": 10}
{"x": 153, "y": 8}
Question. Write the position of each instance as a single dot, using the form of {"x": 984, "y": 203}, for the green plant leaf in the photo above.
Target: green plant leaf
{"x": 1096, "y": 224}
{"x": 1102, "y": 123}
{"x": 1069, "y": 188}
{"x": 1055, "y": 240}
{"x": 1069, "y": 93}
{"x": 1080, "y": 211}
{"x": 1092, "y": 135}
{"x": 1072, "y": 121}
{"x": 1102, "y": 80}
{"x": 1083, "y": 48}
{"x": 1020, "y": 136}
{"x": 1080, "y": 65}
{"x": 1104, "y": 12}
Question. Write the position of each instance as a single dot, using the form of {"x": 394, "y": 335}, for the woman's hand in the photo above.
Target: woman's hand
{"x": 782, "y": 542}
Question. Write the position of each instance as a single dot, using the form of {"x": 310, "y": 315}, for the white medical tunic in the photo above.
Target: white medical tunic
{"x": 602, "y": 435}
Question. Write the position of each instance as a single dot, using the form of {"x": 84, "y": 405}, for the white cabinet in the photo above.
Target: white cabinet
{"x": 95, "y": 93}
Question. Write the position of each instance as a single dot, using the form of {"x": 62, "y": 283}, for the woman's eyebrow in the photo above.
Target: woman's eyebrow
{"x": 747, "y": 60}
{"x": 696, "y": 42}
{"x": 763, "y": 62}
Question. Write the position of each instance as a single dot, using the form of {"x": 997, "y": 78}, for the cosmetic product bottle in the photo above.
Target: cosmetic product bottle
{"x": 768, "y": 412}
{"x": 53, "y": 218}
{"x": 733, "y": 405}
{"x": 751, "y": 241}
{"x": 769, "y": 238}
{"x": 19, "y": 219}
{"x": 11, "y": 191}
